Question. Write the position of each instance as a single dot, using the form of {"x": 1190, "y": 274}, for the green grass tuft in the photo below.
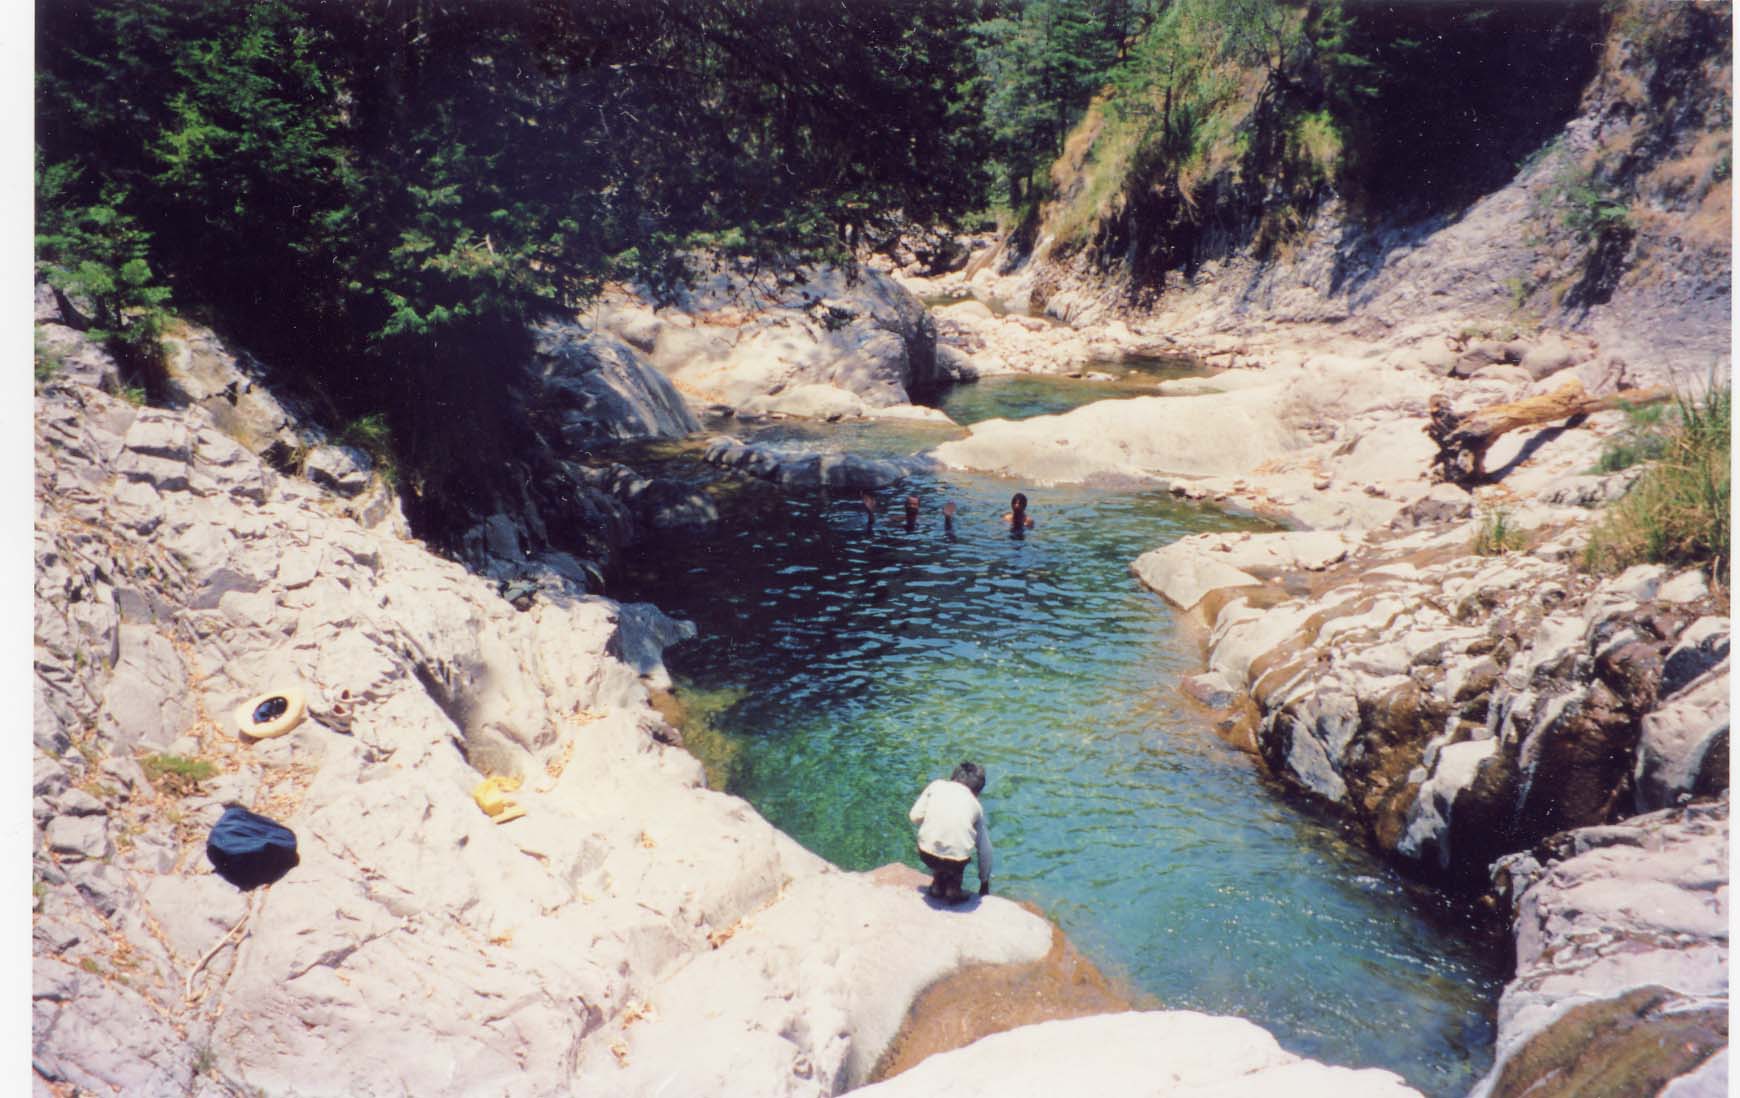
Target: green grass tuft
{"x": 1678, "y": 511}
{"x": 1645, "y": 438}
{"x": 176, "y": 773}
{"x": 49, "y": 360}
{"x": 371, "y": 434}
{"x": 1496, "y": 535}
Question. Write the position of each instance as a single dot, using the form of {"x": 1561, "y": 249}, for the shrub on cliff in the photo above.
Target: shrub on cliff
{"x": 1678, "y": 511}
{"x": 95, "y": 252}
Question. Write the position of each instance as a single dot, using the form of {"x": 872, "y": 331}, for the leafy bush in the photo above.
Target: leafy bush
{"x": 1678, "y": 511}
{"x": 96, "y": 252}
{"x": 1593, "y": 210}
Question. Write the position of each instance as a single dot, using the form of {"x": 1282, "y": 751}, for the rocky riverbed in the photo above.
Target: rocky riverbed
{"x": 1481, "y": 719}
{"x": 631, "y": 931}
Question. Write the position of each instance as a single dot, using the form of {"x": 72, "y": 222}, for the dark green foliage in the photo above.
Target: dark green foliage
{"x": 371, "y": 434}
{"x": 1038, "y": 65}
{"x": 1593, "y": 210}
{"x": 382, "y": 194}
{"x": 1441, "y": 100}
{"x": 97, "y": 253}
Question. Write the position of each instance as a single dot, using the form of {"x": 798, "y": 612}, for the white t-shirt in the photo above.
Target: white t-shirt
{"x": 951, "y": 824}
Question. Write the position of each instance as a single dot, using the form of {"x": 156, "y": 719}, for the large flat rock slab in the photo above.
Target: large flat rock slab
{"x": 1143, "y": 437}
{"x": 1187, "y": 570}
{"x": 805, "y": 995}
{"x": 1136, "y": 1055}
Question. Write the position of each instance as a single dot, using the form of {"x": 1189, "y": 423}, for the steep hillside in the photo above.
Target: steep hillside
{"x": 1548, "y": 165}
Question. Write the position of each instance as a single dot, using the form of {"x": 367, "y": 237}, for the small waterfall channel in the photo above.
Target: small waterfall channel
{"x": 841, "y": 665}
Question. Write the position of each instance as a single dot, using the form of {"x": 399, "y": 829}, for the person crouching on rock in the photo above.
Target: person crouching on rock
{"x": 951, "y": 826}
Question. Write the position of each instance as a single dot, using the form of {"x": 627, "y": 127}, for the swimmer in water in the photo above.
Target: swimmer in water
{"x": 869, "y": 510}
{"x": 911, "y": 513}
{"x": 1016, "y": 517}
{"x": 949, "y": 520}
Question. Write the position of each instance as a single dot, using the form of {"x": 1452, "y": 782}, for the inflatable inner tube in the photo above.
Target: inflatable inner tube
{"x": 274, "y": 713}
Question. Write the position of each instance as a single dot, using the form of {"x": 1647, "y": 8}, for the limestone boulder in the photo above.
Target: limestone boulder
{"x": 629, "y": 921}
{"x": 1683, "y": 747}
{"x": 1621, "y": 944}
{"x": 1183, "y": 575}
{"x": 201, "y": 370}
{"x": 72, "y": 358}
{"x": 1190, "y": 568}
{"x": 812, "y": 401}
{"x": 844, "y": 997}
{"x": 633, "y": 322}
{"x": 1143, "y": 438}
{"x": 593, "y": 389}
{"x": 844, "y": 471}
{"x": 1464, "y": 706}
{"x": 773, "y": 343}
{"x": 342, "y": 469}
{"x": 1553, "y": 352}
{"x": 145, "y": 701}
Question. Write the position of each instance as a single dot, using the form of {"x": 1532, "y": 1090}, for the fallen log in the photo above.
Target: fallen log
{"x": 1464, "y": 439}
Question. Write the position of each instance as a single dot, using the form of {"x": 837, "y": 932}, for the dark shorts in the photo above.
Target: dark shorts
{"x": 946, "y": 873}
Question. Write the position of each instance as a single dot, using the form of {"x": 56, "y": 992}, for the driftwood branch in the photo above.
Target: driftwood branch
{"x": 1464, "y": 439}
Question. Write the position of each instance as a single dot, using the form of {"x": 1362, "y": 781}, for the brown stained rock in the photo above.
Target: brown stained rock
{"x": 1614, "y": 1048}
{"x": 1269, "y": 677}
{"x": 1713, "y": 772}
{"x": 1275, "y": 668}
{"x": 1394, "y": 731}
{"x": 1482, "y": 822}
{"x": 1239, "y": 728}
{"x": 1582, "y": 768}
{"x": 1389, "y": 816}
{"x": 1633, "y": 672}
{"x": 984, "y": 999}
{"x": 1474, "y": 693}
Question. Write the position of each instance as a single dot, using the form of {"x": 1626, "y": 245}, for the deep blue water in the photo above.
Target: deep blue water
{"x": 841, "y": 666}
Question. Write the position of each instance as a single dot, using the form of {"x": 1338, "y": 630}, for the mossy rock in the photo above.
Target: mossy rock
{"x": 1615, "y": 1048}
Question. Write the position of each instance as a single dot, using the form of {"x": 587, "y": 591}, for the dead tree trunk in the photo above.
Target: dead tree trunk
{"x": 1464, "y": 439}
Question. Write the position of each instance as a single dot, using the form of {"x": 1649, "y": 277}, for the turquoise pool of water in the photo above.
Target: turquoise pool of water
{"x": 841, "y": 666}
{"x": 1018, "y": 396}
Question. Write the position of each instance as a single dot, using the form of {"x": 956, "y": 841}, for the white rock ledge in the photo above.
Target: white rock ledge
{"x": 1177, "y": 1053}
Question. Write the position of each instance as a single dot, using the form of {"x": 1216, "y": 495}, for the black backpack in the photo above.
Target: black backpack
{"x": 249, "y": 850}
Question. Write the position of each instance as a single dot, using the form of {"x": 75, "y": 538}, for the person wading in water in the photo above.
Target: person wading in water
{"x": 1017, "y": 518}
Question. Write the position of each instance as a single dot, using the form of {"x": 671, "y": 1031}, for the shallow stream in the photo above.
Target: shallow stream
{"x": 841, "y": 665}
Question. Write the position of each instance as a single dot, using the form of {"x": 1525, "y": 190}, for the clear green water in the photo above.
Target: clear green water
{"x": 839, "y": 668}
{"x": 1018, "y": 396}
